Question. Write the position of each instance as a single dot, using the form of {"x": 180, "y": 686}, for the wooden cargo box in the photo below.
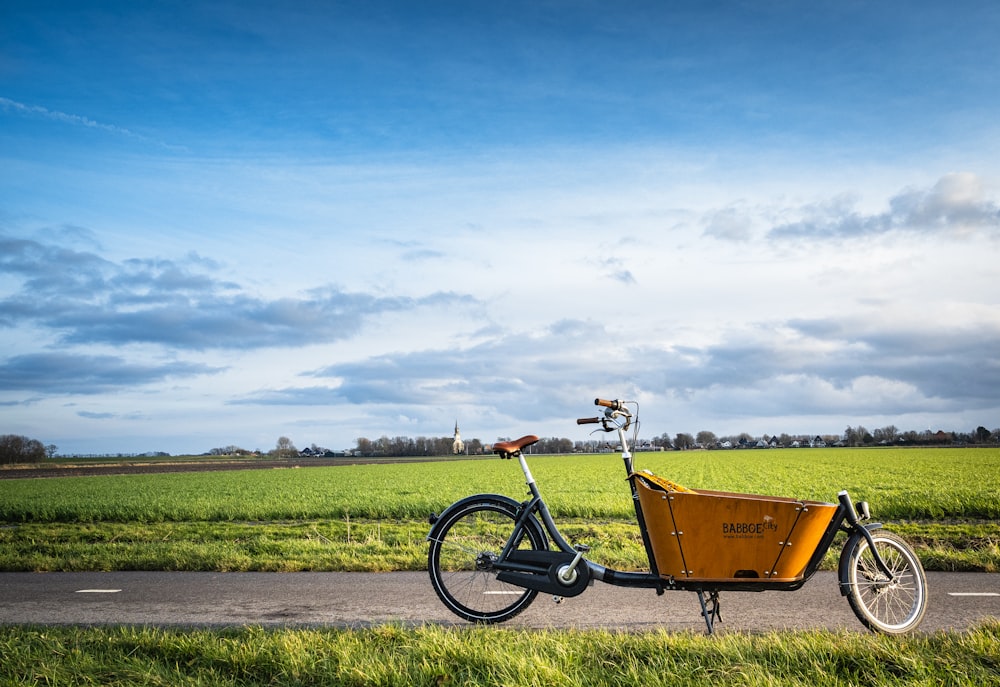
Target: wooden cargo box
{"x": 721, "y": 536}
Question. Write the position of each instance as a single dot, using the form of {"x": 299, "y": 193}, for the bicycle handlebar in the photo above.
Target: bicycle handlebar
{"x": 617, "y": 415}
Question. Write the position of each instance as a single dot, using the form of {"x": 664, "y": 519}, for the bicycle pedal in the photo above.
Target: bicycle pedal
{"x": 582, "y": 548}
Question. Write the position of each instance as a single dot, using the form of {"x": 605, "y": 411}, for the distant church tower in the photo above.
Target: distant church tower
{"x": 459, "y": 445}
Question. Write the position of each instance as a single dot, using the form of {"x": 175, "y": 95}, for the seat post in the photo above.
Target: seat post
{"x": 528, "y": 477}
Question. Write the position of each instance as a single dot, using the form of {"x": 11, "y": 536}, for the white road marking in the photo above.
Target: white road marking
{"x": 97, "y": 591}
{"x": 973, "y": 593}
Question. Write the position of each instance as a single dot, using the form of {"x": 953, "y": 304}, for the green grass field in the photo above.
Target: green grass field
{"x": 434, "y": 656}
{"x": 373, "y": 517}
{"x": 899, "y": 483}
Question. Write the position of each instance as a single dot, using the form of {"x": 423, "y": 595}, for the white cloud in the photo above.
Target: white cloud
{"x": 956, "y": 204}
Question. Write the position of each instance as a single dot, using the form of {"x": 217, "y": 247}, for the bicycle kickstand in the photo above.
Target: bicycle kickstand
{"x": 710, "y": 608}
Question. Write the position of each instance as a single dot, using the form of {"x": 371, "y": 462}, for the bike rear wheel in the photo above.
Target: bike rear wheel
{"x": 891, "y": 607}
{"x": 464, "y": 547}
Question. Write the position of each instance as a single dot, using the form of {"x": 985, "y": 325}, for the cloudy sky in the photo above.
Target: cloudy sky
{"x": 328, "y": 220}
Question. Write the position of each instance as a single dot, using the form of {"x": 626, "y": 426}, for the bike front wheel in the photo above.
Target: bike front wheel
{"x": 464, "y": 548}
{"x": 892, "y": 607}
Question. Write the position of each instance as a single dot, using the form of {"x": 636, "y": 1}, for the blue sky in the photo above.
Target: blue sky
{"x": 241, "y": 220}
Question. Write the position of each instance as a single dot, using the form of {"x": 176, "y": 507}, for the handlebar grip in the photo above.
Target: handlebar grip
{"x": 588, "y": 420}
{"x": 614, "y": 405}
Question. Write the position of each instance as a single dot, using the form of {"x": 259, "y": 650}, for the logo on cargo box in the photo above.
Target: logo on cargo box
{"x": 749, "y": 530}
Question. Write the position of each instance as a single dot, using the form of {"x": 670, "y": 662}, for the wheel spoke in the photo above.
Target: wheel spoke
{"x": 457, "y": 546}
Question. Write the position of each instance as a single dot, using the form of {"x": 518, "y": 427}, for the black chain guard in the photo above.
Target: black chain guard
{"x": 543, "y": 572}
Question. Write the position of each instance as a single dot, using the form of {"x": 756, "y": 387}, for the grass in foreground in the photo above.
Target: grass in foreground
{"x": 435, "y": 656}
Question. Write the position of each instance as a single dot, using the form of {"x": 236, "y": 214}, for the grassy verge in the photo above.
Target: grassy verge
{"x": 375, "y": 545}
{"x": 435, "y": 656}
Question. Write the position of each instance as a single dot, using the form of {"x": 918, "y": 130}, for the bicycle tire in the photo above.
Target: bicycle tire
{"x": 889, "y": 607}
{"x": 463, "y": 547}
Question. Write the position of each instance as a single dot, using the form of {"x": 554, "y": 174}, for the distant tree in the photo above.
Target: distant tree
{"x": 856, "y": 436}
{"x": 552, "y": 445}
{"x": 683, "y": 441}
{"x": 706, "y": 438}
{"x": 231, "y": 450}
{"x": 284, "y": 448}
{"x": 18, "y": 449}
{"x": 50, "y": 450}
{"x": 982, "y": 434}
{"x": 663, "y": 441}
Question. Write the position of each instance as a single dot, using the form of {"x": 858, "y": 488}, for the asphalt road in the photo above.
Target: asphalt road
{"x": 956, "y": 601}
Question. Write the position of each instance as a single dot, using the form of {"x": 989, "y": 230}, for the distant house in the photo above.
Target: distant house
{"x": 818, "y": 442}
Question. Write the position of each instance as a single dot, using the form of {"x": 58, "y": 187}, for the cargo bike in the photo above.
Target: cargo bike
{"x": 490, "y": 555}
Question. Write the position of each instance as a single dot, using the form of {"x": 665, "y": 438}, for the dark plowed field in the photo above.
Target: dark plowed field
{"x": 152, "y": 467}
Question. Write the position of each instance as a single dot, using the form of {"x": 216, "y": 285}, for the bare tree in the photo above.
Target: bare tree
{"x": 706, "y": 438}
{"x": 663, "y": 441}
{"x": 17, "y": 449}
{"x": 683, "y": 441}
{"x": 285, "y": 448}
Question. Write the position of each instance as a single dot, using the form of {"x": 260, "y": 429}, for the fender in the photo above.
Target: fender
{"x": 852, "y": 541}
{"x": 515, "y": 507}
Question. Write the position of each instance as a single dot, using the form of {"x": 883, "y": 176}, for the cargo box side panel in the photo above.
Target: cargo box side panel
{"x": 655, "y": 505}
{"x": 731, "y": 536}
{"x": 803, "y": 540}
